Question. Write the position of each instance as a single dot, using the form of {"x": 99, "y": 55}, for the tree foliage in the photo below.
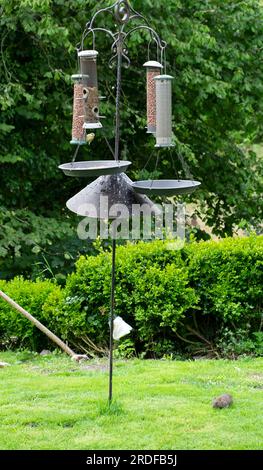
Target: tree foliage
{"x": 215, "y": 53}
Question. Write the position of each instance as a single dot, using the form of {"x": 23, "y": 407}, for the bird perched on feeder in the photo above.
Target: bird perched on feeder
{"x": 90, "y": 138}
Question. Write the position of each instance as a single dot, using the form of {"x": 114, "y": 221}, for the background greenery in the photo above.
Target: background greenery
{"x": 203, "y": 300}
{"x": 215, "y": 53}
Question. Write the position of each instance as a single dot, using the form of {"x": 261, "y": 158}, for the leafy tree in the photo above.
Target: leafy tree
{"x": 215, "y": 53}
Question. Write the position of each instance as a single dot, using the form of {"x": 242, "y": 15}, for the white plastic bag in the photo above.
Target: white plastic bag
{"x": 120, "y": 328}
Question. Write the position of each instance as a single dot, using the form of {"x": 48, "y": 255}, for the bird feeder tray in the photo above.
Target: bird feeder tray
{"x": 165, "y": 187}
{"x": 94, "y": 168}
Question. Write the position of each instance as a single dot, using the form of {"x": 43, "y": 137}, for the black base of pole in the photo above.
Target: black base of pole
{"x": 112, "y": 319}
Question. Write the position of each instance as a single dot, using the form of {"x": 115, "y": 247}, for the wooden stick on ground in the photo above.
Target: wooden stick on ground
{"x": 46, "y": 331}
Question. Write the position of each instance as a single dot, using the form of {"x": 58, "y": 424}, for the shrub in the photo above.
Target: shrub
{"x": 228, "y": 277}
{"x": 239, "y": 342}
{"x": 203, "y": 299}
{"x": 152, "y": 292}
{"x": 32, "y": 296}
{"x": 175, "y": 300}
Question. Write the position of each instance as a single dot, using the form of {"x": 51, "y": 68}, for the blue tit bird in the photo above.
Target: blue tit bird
{"x": 90, "y": 138}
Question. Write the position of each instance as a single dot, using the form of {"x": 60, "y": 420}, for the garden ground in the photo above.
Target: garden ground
{"x": 49, "y": 402}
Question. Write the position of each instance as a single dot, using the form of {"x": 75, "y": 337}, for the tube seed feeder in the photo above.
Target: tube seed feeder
{"x": 153, "y": 70}
{"x": 78, "y": 133}
{"x": 164, "y": 111}
{"x": 88, "y": 68}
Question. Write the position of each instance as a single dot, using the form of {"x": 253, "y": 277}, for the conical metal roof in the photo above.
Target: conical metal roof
{"x": 99, "y": 197}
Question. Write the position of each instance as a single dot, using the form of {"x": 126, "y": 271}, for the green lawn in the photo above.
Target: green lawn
{"x": 52, "y": 403}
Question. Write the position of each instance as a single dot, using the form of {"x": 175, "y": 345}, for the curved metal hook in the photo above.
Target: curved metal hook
{"x": 123, "y": 13}
{"x": 153, "y": 39}
{"x": 162, "y": 44}
{"x": 93, "y": 31}
{"x": 102, "y": 10}
{"x": 138, "y": 15}
{"x": 85, "y": 35}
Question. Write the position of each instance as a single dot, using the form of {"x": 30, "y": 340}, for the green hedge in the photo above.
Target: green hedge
{"x": 16, "y": 330}
{"x": 203, "y": 299}
{"x": 228, "y": 277}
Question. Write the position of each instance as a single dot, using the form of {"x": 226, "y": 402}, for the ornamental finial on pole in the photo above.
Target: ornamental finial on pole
{"x": 122, "y": 11}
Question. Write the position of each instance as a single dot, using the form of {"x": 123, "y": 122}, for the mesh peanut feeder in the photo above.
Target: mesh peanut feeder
{"x": 163, "y": 111}
{"x": 153, "y": 70}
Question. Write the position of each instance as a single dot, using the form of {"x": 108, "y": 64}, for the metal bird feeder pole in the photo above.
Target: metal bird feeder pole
{"x": 116, "y": 156}
{"x": 111, "y": 180}
{"x": 123, "y": 14}
{"x": 113, "y": 275}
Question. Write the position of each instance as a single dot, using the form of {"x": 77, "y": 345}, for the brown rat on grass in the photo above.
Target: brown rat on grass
{"x": 224, "y": 401}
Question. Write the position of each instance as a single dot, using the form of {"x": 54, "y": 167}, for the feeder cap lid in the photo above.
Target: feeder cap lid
{"x": 153, "y": 64}
{"x": 164, "y": 77}
{"x": 88, "y": 53}
{"x": 79, "y": 76}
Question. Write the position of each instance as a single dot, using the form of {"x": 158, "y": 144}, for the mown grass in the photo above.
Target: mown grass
{"x": 52, "y": 403}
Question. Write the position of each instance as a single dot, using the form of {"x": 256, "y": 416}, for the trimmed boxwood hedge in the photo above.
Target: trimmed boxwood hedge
{"x": 203, "y": 299}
